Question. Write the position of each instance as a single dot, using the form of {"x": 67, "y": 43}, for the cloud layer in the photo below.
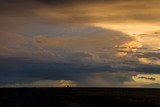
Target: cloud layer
{"x": 91, "y": 43}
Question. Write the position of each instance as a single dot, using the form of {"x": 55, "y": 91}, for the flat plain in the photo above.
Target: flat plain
{"x": 79, "y": 97}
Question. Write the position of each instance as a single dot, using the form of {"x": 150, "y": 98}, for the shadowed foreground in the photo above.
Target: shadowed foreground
{"x": 79, "y": 97}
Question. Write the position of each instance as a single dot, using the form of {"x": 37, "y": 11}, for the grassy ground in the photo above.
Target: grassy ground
{"x": 79, "y": 97}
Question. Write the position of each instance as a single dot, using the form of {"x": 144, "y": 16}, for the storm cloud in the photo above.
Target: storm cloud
{"x": 70, "y": 41}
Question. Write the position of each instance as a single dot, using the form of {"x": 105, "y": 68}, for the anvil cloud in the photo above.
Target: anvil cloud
{"x": 50, "y": 43}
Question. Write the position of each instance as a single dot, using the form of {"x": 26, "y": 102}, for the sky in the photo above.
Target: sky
{"x": 80, "y": 43}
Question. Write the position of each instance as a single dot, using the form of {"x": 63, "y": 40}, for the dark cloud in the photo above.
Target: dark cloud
{"x": 71, "y": 2}
{"x": 148, "y": 68}
{"x": 21, "y": 70}
{"x": 24, "y": 70}
{"x": 106, "y": 79}
{"x": 136, "y": 66}
{"x": 150, "y": 55}
{"x": 147, "y": 78}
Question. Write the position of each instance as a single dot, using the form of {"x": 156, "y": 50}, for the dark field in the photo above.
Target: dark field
{"x": 79, "y": 97}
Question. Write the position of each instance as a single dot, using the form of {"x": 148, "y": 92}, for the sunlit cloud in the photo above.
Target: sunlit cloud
{"x": 154, "y": 61}
{"x": 144, "y": 60}
{"x": 142, "y": 80}
{"x": 121, "y": 54}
